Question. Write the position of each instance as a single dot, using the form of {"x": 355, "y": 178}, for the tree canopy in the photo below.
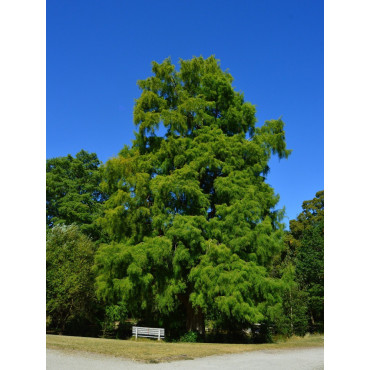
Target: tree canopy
{"x": 312, "y": 214}
{"x": 192, "y": 220}
{"x": 72, "y": 191}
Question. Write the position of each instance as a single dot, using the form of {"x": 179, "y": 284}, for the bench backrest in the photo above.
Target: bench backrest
{"x": 148, "y": 332}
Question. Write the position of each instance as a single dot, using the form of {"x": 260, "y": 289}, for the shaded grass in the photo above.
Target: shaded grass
{"x": 152, "y": 351}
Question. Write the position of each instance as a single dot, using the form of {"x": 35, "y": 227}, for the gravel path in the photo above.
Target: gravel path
{"x": 300, "y": 359}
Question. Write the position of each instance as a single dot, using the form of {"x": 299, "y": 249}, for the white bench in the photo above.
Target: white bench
{"x": 148, "y": 332}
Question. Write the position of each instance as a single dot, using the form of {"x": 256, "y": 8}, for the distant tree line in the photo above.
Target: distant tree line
{"x": 180, "y": 230}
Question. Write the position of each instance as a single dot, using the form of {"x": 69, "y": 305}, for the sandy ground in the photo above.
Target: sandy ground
{"x": 300, "y": 359}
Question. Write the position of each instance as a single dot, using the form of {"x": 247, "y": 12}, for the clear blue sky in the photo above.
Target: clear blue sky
{"x": 97, "y": 50}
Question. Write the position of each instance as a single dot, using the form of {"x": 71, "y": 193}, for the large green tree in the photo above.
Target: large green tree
{"x": 72, "y": 191}
{"x": 192, "y": 219}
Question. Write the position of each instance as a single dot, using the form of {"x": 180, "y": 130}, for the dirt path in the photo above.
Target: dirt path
{"x": 300, "y": 359}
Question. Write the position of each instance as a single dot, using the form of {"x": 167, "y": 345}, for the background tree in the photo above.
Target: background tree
{"x": 70, "y": 295}
{"x": 72, "y": 191}
{"x": 310, "y": 272}
{"x": 293, "y": 318}
{"x": 191, "y": 217}
{"x": 311, "y": 216}
{"x": 308, "y": 235}
{"x": 301, "y": 264}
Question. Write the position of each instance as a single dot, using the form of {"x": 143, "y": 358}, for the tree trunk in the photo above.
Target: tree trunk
{"x": 194, "y": 316}
{"x": 194, "y": 319}
{"x": 312, "y": 319}
{"x": 291, "y": 312}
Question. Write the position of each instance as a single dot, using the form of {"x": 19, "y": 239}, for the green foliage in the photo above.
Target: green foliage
{"x": 192, "y": 220}
{"x": 72, "y": 191}
{"x": 116, "y": 313}
{"x": 236, "y": 289}
{"x": 312, "y": 215}
{"x": 294, "y": 320}
{"x": 310, "y": 272}
{"x": 114, "y": 324}
{"x": 190, "y": 337}
{"x": 301, "y": 266}
{"x": 70, "y": 296}
{"x": 308, "y": 231}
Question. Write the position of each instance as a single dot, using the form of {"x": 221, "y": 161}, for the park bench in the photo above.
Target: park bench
{"x": 147, "y": 332}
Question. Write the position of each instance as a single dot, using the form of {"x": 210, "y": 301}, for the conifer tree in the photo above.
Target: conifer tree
{"x": 192, "y": 220}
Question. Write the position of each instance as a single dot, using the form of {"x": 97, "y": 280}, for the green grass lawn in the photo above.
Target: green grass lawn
{"x": 154, "y": 351}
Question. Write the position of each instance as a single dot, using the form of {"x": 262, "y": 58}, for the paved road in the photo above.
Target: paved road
{"x": 297, "y": 359}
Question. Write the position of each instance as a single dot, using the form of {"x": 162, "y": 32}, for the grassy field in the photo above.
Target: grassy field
{"x": 153, "y": 351}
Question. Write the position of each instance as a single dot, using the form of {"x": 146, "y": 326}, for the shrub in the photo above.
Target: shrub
{"x": 190, "y": 336}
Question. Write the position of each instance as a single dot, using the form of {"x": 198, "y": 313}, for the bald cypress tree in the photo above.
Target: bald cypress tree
{"x": 191, "y": 217}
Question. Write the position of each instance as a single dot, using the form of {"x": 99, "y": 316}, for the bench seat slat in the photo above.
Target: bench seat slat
{"x": 150, "y": 332}
{"x": 147, "y": 331}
